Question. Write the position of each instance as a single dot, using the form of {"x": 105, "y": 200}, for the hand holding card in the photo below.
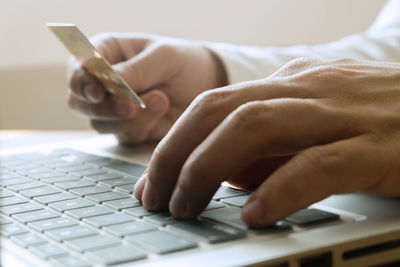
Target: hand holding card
{"x": 81, "y": 48}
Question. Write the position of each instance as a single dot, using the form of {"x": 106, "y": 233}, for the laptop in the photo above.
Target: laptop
{"x": 71, "y": 204}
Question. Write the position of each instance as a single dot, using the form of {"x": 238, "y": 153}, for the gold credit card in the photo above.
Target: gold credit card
{"x": 81, "y": 48}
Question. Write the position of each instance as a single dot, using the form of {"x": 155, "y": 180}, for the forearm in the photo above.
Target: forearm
{"x": 381, "y": 42}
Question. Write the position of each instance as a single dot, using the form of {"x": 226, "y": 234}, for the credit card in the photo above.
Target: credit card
{"x": 81, "y": 48}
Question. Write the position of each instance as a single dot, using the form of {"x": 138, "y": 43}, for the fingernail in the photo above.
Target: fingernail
{"x": 121, "y": 108}
{"x": 253, "y": 211}
{"x": 149, "y": 197}
{"x": 179, "y": 203}
{"x": 90, "y": 93}
{"x": 156, "y": 104}
{"x": 139, "y": 186}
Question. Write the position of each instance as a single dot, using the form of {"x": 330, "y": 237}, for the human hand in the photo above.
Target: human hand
{"x": 311, "y": 130}
{"x": 167, "y": 73}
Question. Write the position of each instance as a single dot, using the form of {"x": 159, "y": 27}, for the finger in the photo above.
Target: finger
{"x": 196, "y": 123}
{"x": 259, "y": 128}
{"x": 316, "y": 173}
{"x": 152, "y": 67}
{"x": 255, "y": 173}
{"x": 140, "y": 126}
{"x": 111, "y": 109}
{"x": 83, "y": 85}
{"x": 116, "y": 47}
{"x": 139, "y": 186}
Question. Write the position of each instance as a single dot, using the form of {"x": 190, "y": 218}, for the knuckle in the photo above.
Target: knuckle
{"x": 210, "y": 101}
{"x": 300, "y": 63}
{"x": 344, "y": 61}
{"x": 248, "y": 116}
{"x": 327, "y": 162}
{"x": 166, "y": 48}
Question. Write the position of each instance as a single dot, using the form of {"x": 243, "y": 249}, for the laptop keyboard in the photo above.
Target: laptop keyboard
{"x": 76, "y": 209}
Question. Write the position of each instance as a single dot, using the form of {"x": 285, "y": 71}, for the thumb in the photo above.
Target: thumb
{"x": 314, "y": 174}
{"x": 152, "y": 67}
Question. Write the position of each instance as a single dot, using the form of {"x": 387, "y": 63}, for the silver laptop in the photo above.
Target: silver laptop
{"x": 71, "y": 204}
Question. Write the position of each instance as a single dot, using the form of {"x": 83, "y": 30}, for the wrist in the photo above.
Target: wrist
{"x": 221, "y": 77}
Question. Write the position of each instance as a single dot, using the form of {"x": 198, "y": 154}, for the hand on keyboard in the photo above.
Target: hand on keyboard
{"x": 334, "y": 117}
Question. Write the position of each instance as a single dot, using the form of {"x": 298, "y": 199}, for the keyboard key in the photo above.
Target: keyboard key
{"x": 236, "y": 201}
{"x": 122, "y": 203}
{"x": 228, "y": 215}
{"x": 46, "y": 251}
{"x": 6, "y": 193}
{"x": 41, "y": 191}
{"x": 57, "y": 164}
{"x": 102, "y": 177}
{"x": 84, "y": 191}
{"x": 74, "y": 184}
{"x": 137, "y": 211}
{"x": 92, "y": 242}
{"x": 306, "y": 217}
{"x": 30, "y": 239}
{"x": 277, "y": 227}
{"x": 52, "y": 224}
{"x": 232, "y": 216}
{"x": 128, "y": 168}
{"x": 162, "y": 218}
{"x": 38, "y": 215}
{"x": 71, "y": 232}
{"x": 211, "y": 232}
{"x": 214, "y": 205}
{"x": 225, "y": 191}
{"x": 36, "y": 170}
{"x": 115, "y": 255}
{"x": 109, "y": 219}
{"x": 19, "y": 187}
{"x": 70, "y": 204}
{"x": 92, "y": 171}
{"x": 10, "y": 175}
{"x": 15, "y": 181}
{"x": 24, "y": 166}
{"x": 50, "y": 174}
{"x": 53, "y": 198}
{"x": 161, "y": 242}
{"x": 99, "y": 198}
{"x": 68, "y": 261}
{"x": 125, "y": 188}
{"x": 59, "y": 179}
{"x": 117, "y": 182}
{"x": 20, "y": 208}
{"x": 129, "y": 228}
{"x": 102, "y": 161}
{"x": 12, "y": 201}
{"x": 88, "y": 212}
{"x": 73, "y": 167}
{"x": 4, "y": 220}
{"x": 12, "y": 229}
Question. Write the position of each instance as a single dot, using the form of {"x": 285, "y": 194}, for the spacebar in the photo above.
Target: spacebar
{"x": 128, "y": 168}
{"x": 209, "y": 231}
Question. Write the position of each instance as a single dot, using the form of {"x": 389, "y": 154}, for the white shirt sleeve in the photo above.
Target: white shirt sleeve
{"x": 380, "y": 42}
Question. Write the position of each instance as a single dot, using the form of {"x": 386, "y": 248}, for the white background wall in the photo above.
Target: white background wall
{"x": 32, "y": 79}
